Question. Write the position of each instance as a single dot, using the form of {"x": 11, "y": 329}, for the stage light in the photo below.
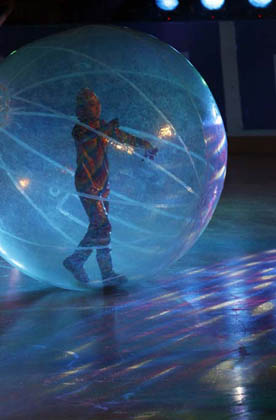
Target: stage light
{"x": 212, "y": 4}
{"x": 167, "y": 4}
{"x": 260, "y": 3}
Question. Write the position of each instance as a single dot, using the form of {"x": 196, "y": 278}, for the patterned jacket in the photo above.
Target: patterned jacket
{"x": 92, "y": 160}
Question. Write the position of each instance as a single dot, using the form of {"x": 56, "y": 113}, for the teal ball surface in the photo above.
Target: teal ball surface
{"x": 164, "y": 187}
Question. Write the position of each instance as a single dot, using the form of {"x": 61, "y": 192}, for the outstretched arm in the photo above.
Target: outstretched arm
{"x": 126, "y": 138}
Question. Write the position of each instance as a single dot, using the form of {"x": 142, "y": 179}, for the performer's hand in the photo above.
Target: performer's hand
{"x": 151, "y": 152}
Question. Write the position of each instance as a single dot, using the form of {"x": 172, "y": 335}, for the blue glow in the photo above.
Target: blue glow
{"x": 212, "y": 4}
{"x": 167, "y": 4}
{"x": 260, "y": 3}
{"x": 159, "y": 204}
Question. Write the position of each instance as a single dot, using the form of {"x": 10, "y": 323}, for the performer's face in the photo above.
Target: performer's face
{"x": 94, "y": 110}
{"x": 89, "y": 110}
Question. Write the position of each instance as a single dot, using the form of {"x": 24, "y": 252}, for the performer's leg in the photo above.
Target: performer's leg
{"x": 110, "y": 278}
{"x": 75, "y": 262}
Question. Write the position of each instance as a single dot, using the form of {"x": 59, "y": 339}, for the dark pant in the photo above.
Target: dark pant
{"x": 99, "y": 229}
{"x": 98, "y": 232}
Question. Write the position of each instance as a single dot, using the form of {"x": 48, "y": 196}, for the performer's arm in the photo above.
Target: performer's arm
{"x": 126, "y": 138}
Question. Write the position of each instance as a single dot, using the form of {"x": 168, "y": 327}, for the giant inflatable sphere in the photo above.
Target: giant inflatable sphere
{"x": 159, "y": 203}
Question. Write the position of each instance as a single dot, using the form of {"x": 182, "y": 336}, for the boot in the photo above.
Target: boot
{"x": 74, "y": 263}
{"x": 110, "y": 278}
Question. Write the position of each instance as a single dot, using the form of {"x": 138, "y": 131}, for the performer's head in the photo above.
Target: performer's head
{"x": 88, "y": 106}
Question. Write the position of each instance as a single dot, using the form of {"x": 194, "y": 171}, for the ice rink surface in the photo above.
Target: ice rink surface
{"x": 197, "y": 343}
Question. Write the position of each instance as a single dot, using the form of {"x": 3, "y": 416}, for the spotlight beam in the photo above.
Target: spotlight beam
{"x": 212, "y": 4}
{"x": 260, "y": 3}
{"x": 167, "y": 5}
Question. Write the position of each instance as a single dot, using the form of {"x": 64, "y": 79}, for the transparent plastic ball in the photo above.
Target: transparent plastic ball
{"x": 161, "y": 196}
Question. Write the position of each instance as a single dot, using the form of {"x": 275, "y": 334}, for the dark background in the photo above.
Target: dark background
{"x": 107, "y": 11}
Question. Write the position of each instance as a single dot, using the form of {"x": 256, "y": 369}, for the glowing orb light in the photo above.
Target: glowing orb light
{"x": 260, "y": 3}
{"x": 167, "y": 4}
{"x": 213, "y": 4}
{"x": 158, "y": 207}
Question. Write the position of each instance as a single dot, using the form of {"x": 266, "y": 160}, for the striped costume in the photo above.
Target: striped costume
{"x": 92, "y": 138}
{"x": 92, "y": 174}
